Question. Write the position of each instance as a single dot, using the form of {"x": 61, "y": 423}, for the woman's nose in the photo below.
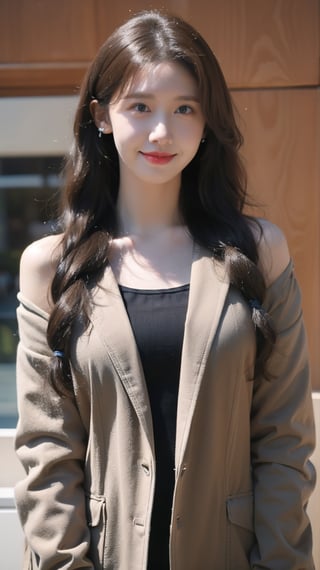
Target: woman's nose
{"x": 160, "y": 133}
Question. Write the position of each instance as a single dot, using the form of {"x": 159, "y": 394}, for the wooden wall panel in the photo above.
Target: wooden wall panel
{"x": 282, "y": 150}
{"x": 262, "y": 43}
{"x": 258, "y": 42}
{"x": 45, "y": 46}
{"x": 45, "y": 31}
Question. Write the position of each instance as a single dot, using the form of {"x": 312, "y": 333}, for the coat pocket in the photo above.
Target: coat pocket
{"x": 240, "y": 531}
{"x": 97, "y": 523}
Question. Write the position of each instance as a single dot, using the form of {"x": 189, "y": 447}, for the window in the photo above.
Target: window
{"x": 29, "y": 190}
{"x": 35, "y": 135}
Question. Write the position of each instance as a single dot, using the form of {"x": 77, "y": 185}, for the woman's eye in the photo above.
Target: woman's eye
{"x": 184, "y": 109}
{"x": 140, "y": 107}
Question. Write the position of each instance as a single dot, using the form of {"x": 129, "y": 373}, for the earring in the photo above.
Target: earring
{"x": 203, "y": 140}
{"x": 100, "y": 132}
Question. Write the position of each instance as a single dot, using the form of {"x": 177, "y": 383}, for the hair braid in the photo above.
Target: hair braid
{"x": 82, "y": 262}
{"x": 246, "y": 277}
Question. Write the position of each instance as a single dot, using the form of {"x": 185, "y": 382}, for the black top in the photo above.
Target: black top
{"x": 157, "y": 318}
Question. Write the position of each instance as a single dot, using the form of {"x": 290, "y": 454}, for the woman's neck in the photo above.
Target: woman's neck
{"x": 153, "y": 248}
{"x": 147, "y": 210}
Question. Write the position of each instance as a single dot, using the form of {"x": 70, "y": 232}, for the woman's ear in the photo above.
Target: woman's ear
{"x": 100, "y": 116}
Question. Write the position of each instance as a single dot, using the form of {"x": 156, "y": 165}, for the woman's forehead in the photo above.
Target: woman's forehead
{"x": 163, "y": 75}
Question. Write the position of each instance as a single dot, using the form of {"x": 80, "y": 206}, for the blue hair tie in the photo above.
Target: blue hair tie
{"x": 254, "y": 304}
{"x": 58, "y": 353}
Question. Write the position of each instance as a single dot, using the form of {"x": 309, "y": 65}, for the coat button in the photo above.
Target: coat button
{"x": 183, "y": 470}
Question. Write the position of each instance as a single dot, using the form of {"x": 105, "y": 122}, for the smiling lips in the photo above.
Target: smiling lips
{"x": 158, "y": 157}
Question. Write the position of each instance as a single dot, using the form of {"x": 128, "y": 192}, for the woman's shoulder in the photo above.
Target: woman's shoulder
{"x": 37, "y": 268}
{"x": 273, "y": 250}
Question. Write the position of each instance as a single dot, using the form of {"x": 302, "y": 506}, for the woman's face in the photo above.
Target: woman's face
{"x": 157, "y": 124}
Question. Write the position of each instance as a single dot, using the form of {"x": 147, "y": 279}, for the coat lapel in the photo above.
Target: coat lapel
{"x": 208, "y": 289}
{"x": 113, "y": 327}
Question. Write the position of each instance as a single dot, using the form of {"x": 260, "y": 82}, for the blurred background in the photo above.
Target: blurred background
{"x": 269, "y": 51}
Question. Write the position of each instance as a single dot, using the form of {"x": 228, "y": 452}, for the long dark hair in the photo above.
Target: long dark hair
{"x": 213, "y": 187}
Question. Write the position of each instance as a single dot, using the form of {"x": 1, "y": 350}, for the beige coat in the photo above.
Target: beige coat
{"x": 242, "y": 472}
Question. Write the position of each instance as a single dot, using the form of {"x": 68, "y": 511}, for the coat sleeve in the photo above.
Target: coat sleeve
{"x": 283, "y": 439}
{"x": 51, "y": 444}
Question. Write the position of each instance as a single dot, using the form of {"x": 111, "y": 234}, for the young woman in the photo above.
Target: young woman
{"x": 164, "y": 396}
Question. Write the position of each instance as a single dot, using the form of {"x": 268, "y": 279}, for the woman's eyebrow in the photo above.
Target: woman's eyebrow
{"x": 144, "y": 95}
